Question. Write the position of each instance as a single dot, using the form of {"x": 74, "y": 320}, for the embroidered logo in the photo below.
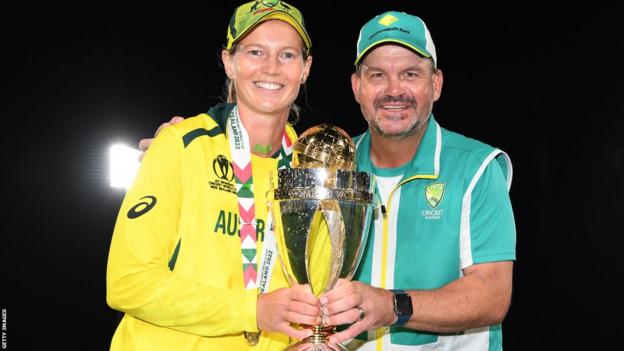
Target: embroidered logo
{"x": 434, "y": 193}
{"x": 388, "y": 20}
{"x": 270, "y": 3}
{"x": 222, "y": 168}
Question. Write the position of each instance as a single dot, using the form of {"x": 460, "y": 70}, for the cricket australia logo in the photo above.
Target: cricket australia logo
{"x": 434, "y": 193}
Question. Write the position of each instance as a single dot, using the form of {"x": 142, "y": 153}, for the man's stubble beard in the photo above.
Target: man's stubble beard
{"x": 412, "y": 129}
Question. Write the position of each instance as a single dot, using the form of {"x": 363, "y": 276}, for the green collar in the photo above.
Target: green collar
{"x": 219, "y": 113}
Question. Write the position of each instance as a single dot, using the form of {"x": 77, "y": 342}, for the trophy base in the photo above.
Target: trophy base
{"x": 317, "y": 341}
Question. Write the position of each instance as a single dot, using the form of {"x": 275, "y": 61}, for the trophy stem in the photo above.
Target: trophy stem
{"x": 317, "y": 341}
{"x": 320, "y": 333}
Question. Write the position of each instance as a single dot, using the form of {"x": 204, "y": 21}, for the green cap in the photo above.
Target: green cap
{"x": 249, "y": 15}
{"x": 396, "y": 27}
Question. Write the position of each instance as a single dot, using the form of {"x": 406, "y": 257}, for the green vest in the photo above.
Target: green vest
{"x": 450, "y": 210}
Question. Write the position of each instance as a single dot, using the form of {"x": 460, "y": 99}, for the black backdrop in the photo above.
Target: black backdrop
{"x": 542, "y": 82}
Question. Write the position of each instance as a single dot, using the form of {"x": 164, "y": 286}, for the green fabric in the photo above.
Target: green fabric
{"x": 428, "y": 238}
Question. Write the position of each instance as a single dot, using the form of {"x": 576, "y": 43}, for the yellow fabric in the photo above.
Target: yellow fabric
{"x": 201, "y": 304}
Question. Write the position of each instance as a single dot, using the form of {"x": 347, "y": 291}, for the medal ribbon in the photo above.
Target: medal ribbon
{"x": 241, "y": 161}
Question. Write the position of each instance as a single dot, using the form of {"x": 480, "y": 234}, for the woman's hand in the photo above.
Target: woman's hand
{"x": 277, "y": 310}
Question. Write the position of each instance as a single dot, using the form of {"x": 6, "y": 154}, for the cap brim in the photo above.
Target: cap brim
{"x": 282, "y": 16}
{"x": 382, "y": 41}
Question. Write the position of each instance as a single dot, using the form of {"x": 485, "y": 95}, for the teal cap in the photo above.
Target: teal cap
{"x": 396, "y": 27}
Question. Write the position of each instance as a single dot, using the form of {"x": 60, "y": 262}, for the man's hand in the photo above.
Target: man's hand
{"x": 342, "y": 304}
{"x": 479, "y": 298}
{"x": 145, "y": 143}
{"x": 276, "y": 310}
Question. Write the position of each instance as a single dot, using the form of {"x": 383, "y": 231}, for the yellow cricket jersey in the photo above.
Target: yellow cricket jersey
{"x": 175, "y": 265}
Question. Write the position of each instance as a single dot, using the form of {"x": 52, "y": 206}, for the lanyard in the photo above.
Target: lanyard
{"x": 241, "y": 161}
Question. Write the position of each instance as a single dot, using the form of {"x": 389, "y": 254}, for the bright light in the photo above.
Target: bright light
{"x": 124, "y": 163}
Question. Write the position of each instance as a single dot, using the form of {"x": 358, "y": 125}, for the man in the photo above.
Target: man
{"x": 437, "y": 269}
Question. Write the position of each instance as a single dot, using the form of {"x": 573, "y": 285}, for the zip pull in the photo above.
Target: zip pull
{"x": 378, "y": 198}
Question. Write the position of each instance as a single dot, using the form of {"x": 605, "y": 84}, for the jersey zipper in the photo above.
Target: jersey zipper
{"x": 384, "y": 245}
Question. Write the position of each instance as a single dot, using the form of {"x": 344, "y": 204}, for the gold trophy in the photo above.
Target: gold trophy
{"x": 322, "y": 210}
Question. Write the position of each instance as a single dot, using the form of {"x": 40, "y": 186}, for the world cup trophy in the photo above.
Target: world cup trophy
{"x": 322, "y": 210}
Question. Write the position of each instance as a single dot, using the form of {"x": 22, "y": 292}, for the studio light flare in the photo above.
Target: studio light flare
{"x": 124, "y": 163}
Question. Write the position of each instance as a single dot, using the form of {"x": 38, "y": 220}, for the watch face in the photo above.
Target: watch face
{"x": 403, "y": 304}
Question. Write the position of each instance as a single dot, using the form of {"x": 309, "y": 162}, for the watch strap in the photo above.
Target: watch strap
{"x": 401, "y": 318}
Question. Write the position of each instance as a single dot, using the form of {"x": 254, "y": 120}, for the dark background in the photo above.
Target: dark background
{"x": 542, "y": 82}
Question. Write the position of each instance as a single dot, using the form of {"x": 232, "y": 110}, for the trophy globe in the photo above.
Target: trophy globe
{"x": 324, "y": 145}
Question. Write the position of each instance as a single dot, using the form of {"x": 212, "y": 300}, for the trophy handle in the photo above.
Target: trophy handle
{"x": 336, "y": 226}
{"x": 324, "y": 249}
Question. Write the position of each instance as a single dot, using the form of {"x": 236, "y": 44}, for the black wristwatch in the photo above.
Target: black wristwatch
{"x": 402, "y": 306}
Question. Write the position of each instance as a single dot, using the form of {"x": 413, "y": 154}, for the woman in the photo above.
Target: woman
{"x": 191, "y": 248}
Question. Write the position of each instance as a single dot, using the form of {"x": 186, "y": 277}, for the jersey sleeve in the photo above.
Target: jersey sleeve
{"x": 488, "y": 227}
{"x": 139, "y": 280}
